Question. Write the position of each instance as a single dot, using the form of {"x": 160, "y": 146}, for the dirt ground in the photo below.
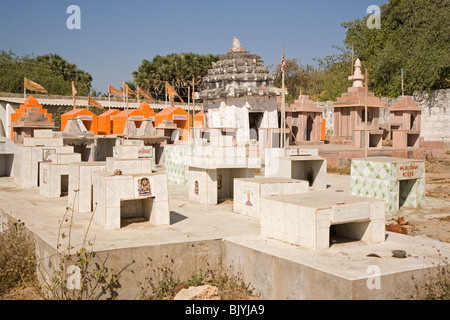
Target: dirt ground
{"x": 434, "y": 220}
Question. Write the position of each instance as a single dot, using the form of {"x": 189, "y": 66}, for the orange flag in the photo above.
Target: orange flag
{"x": 171, "y": 92}
{"x": 127, "y": 90}
{"x": 30, "y": 85}
{"x": 92, "y": 102}
{"x": 112, "y": 90}
{"x": 145, "y": 94}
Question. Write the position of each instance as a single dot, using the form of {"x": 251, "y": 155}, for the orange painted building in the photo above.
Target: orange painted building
{"x": 105, "y": 121}
{"x": 89, "y": 119}
{"x": 199, "y": 119}
{"x": 178, "y": 116}
{"x": 148, "y": 112}
{"x": 30, "y": 102}
{"x": 120, "y": 119}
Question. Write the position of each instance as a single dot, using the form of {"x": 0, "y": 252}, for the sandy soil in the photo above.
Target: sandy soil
{"x": 434, "y": 220}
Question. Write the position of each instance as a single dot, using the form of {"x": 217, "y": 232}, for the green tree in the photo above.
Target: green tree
{"x": 415, "y": 36}
{"x": 69, "y": 72}
{"x": 177, "y": 69}
{"x": 325, "y": 82}
{"x": 51, "y": 71}
{"x": 13, "y": 69}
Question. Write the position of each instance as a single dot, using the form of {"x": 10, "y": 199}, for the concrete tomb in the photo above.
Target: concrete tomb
{"x": 80, "y": 185}
{"x": 118, "y": 198}
{"x": 213, "y": 167}
{"x": 54, "y": 175}
{"x": 29, "y": 155}
{"x": 6, "y": 156}
{"x": 309, "y": 218}
{"x": 248, "y": 192}
{"x": 308, "y": 166}
{"x": 400, "y": 182}
{"x": 128, "y": 190}
{"x": 127, "y": 160}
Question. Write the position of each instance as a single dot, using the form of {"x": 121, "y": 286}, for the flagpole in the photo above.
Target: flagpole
{"x": 351, "y": 67}
{"x": 137, "y": 94}
{"x": 403, "y": 92}
{"x": 283, "y": 98}
{"x": 189, "y": 113}
{"x": 165, "y": 106}
{"x": 365, "y": 116}
{"x": 127, "y": 110}
{"x": 126, "y": 106}
{"x": 193, "y": 105}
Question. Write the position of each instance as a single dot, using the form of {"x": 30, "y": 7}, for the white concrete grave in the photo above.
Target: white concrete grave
{"x": 139, "y": 196}
{"x": 80, "y": 185}
{"x": 212, "y": 168}
{"x": 306, "y": 219}
{"x": 303, "y": 165}
{"x": 126, "y": 159}
{"x": 27, "y": 160}
{"x": 54, "y": 176}
{"x": 248, "y": 192}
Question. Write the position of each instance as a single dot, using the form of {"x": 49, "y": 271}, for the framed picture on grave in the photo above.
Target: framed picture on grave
{"x": 249, "y": 197}
{"x": 143, "y": 187}
{"x": 196, "y": 188}
{"x": 47, "y": 154}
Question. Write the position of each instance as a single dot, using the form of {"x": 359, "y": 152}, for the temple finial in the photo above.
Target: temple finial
{"x": 357, "y": 76}
{"x": 237, "y": 46}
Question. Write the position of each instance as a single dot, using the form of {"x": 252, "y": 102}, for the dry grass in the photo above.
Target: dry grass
{"x": 161, "y": 284}
{"x": 342, "y": 170}
{"x": 17, "y": 263}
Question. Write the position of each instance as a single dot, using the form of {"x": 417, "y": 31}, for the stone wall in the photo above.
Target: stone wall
{"x": 435, "y": 114}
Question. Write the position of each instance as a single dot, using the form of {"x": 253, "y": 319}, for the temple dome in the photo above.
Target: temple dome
{"x": 238, "y": 73}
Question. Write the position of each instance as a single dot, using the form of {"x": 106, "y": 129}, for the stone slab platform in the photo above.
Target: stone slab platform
{"x": 215, "y": 235}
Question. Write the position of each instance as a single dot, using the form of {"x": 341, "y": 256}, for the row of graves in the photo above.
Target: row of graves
{"x": 291, "y": 199}
{"x": 114, "y": 172}
{"x": 285, "y": 189}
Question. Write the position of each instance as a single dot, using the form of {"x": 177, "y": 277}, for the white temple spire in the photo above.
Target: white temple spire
{"x": 357, "y": 76}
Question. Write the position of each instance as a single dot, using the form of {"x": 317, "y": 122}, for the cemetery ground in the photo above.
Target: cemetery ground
{"x": 18, "y": 281}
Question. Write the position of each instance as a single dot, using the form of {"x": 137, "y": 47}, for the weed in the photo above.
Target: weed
{"x": 436, "y": 284}
{"x": 17, "y": 257}
{"x": 81, "y": 275}
{"x": 161, "y": 284}
{"x": 342, "y": 170}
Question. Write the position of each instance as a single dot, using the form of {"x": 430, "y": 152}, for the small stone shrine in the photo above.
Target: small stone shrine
{"x": 349, "y": 115}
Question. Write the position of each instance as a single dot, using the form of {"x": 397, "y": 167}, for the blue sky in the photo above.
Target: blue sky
{"x": 115, "y": 36}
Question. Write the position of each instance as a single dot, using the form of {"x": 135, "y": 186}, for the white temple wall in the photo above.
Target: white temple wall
{"x": 233, "y": 112}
